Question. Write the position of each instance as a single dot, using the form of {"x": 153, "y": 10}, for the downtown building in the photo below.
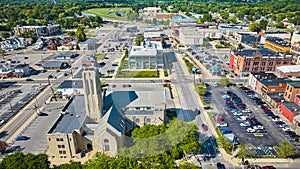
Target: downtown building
{"x": 96, "y": 121}
{"x": 262, "y": 60}
{"x": 38, "y": 30}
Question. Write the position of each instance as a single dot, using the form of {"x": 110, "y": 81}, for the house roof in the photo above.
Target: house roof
{"x": 141, "y": 51}
{"x": 67, "y": 84}
{"x": 293, "y": 107}
{"x": 288, "y": 69}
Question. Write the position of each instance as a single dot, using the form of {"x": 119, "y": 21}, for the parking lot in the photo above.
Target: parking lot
{"x": 37, "y": 142}
{"x": 257, "y": 128}
{"x": 14, "y": 98}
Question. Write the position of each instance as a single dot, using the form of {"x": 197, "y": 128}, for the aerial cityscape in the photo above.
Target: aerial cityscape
{"x": 212, "y": 84}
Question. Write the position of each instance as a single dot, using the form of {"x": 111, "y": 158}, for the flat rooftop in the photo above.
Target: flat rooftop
{"x": 264, "y": 75}
{"x": 274, "y": 82}
{"x": 289, "y": 69}
{"x": 295, "y": 84}
{"x": 277, "y": 97}
{"x": 293, "y": 107}
{"x": 278, "y": 41}
{"x": 67, "y": 84}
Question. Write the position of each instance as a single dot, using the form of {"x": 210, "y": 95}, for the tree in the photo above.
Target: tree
{"x": 225, "y": 143}
{"x": 72, "y": 165}
{"x": 286, "y": 150}
{"x": 225, "y": 15}
{"x": 280, "y": 25}
{"x": 224, "y": 81}
{"x": 28, "y": 161}
{"x": 240, "y": 47}
{"x": 187, "y": 165}
{"x": 201, "y": 88}
{"x": 246, "y": 150}
{"x": 253, "y": 26}
{"x": 233, "y": 20}
{"x": 3, "y": 146}
{"x": 71, "y": 33}
{"x": 80, "y": 35}
{"x": 5, "y": 34}
{"x": 139, "y": 39}
{"x": 263, "y": 24}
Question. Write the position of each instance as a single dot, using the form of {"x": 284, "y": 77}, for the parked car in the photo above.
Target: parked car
{"x": 246, "y": 111}
{"x": 151, "y": 81}
{"x": 245, "y": 124}
{"x": 28, "y": 79}
{"x": 50, "y": 76}
{"x": 225, "y": 131}
{"x": 2, "y": 122}
{"x": 250, "y": 130}
{"x": 22, "y": 138}
{"x": 268, "y": 167}
{"x": 207, "y": 107}
{"x": 258, "y": 127}
{"x": 222, "y": 124}
{"x": 278, "y": 123}
{"x": 204, "y": 127}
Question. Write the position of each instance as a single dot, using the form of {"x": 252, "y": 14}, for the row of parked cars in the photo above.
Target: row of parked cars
{"x": 277, "y": 121}
{"x": 241, "y": 113}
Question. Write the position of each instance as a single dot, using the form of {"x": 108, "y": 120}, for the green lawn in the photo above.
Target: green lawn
{"x": 137, "y": 74}
{"x": 89, "y": 35}
{"x": 100, "y": 56}
{"x": 104, "y": 12}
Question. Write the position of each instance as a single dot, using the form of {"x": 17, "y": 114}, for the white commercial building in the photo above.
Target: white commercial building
{"x": 148, "y": 56}
{"x": 196, "y": 36}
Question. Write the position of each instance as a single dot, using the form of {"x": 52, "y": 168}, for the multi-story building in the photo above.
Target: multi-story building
{"x": 38, "y": 30}
{"x": 22, "y": 70}
{"x": 295, "y": 38}
{"x": 292, "y": 90}
{"x": 290, "y": 110}
{"x": 152, "y": 10}
{"x": 291, "y": 71}
{"x": 277, "y": 44}
{"x": 147, "y": 56}
{"x": 262, "y": 60}
{"x": 295, "y": 50}
{"x": 197, "y": 36}
{"x": 88, "y": 122}
{"x": 279, "y": 34}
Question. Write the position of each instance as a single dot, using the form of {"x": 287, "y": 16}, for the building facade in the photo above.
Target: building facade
{"x": 197, "y": 36}
{"x": 277, "y": 44}
{"x": 147, "y": 56}
{"x": 292, "y": 71}
{"x": 37, "y": 30}
{"x": 292, "y": 90}
{"x": 263, "y": 60}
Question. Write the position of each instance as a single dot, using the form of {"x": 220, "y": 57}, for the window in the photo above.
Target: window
{"x": 106, "y": 147}
{"x": 137, "y": 120}
{"x": 61, "y": 139}
{"x": 106, "y": 141}
{"x": 49, "y": 139}
{"x": 57, "y": 139}
{"x": 61, "y": 146}
{"x": 148, "y": 120}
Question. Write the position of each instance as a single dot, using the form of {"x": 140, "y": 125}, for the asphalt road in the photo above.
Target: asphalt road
{"x": 13, "y": 127}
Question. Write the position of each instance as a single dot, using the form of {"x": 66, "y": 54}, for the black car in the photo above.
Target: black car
{"x": 220, "y": 166}
{"x": 29, "y": 79}
{"x": 207, "y": 107}
{"x": 50, "y": 76}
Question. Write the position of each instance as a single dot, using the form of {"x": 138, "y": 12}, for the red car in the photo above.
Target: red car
{"x": 167, "y": 81}
{"x": 228, "y": 103}
{"x": 204, "y": 127}
{"x": 241, "y": 106}
{"x": 265, "y": 109}
{"x": 250, "y": 118}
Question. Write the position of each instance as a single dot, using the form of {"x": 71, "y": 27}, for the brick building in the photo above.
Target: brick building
{"x": 292, "y": 89}
{"x": 292, "y": 71}
{"x": 289, "y": 110}
{"x": 277, "y": 44}
{"x": 262, "y": 60}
